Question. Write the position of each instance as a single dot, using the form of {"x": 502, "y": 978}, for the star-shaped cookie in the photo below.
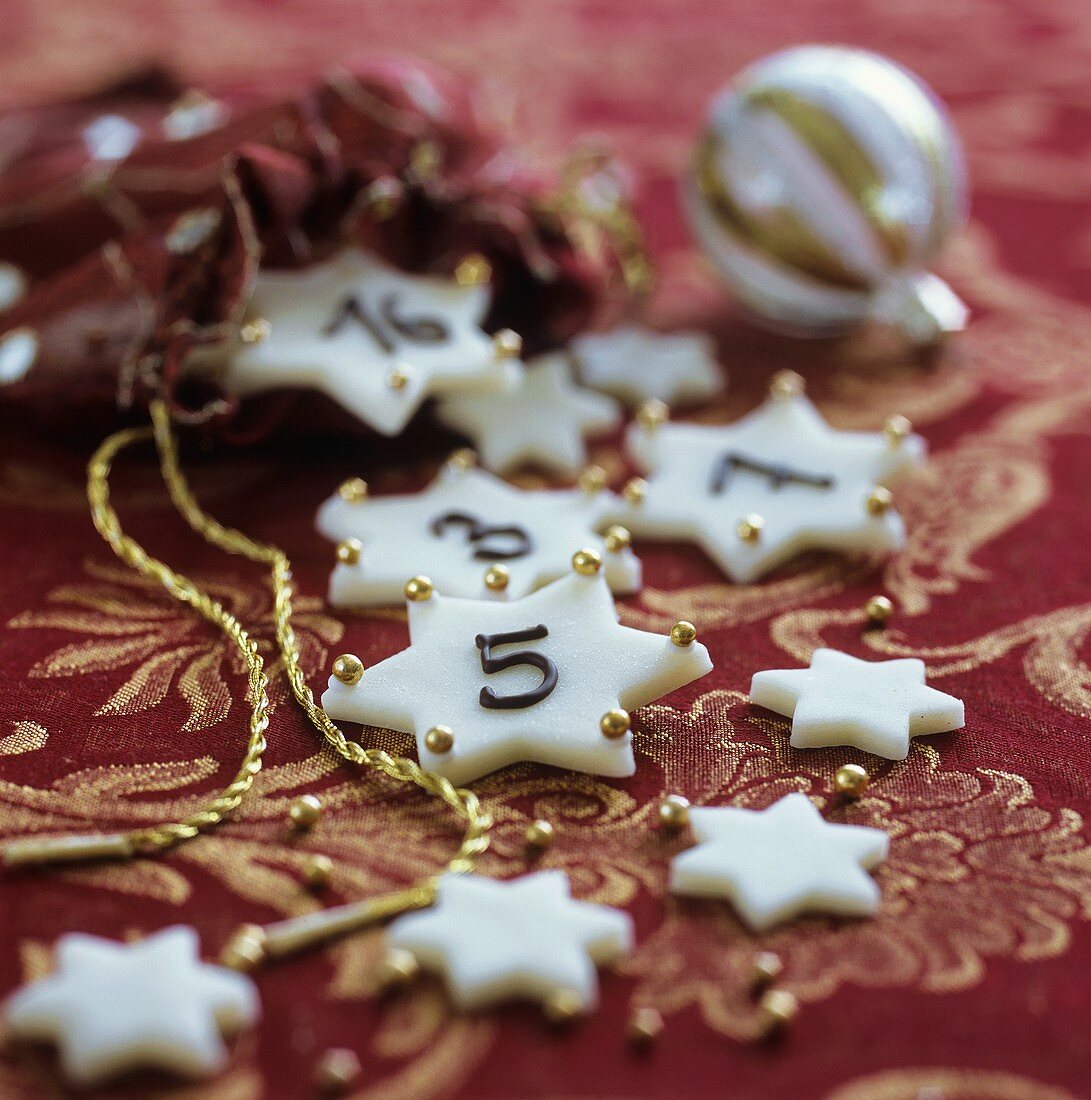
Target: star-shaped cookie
{"x": 777, "y": 863}
{"x": 111, "y": 1007}
{"x": 757, "y": 492}
{"x": 493, "y": 941}
{"x": 376, "y": 340}
{"x": 874, "y": 705}
{"x": 464, "y": 525}
{"x": 549, "y": 677}
{"x": 636, "y": 364}
{"x": 541, "y": 421}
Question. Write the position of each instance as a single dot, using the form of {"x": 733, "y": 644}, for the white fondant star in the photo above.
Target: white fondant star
{"x": 493, "y": 941}
{"x": 542, "y": 421}
{"x": 374, "y": 339}
{"x": 777, "y": 863}
{"x": 112, "y": 1007}
{"x": 570, "y": 663}
{"x": 464, "y": 522}
{"x": 807, "y": 484}
{"x": 637, "y": 364}
{"x": 874, "y": 705}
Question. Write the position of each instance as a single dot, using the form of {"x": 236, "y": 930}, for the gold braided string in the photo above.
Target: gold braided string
{"x": 149, "y": 841}
{"x": 286, "y": 936}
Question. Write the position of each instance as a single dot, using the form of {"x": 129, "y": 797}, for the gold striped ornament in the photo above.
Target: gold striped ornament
{"x": 825, "y": 182}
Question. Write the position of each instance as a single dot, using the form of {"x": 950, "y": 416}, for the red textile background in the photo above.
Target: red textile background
{"x": 117, "y": 708}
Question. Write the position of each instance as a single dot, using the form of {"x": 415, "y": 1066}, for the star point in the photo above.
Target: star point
{"x": 778, "y": 863}
{"x": 525, "y": 679}
{"x": 877, "y": 706}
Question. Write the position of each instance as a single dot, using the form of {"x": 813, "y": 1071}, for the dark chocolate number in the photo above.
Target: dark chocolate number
{"x": 485, "y": 642}
{"x": 514, "y": 542}
{"x": 723, "y": 473}
{"x": 388, "y": 326}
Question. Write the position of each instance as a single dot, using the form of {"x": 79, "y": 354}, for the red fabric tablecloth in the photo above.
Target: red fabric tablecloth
{"x": 118, "y": 707}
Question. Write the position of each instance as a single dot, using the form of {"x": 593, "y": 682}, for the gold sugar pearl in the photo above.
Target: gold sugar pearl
{"x": 615, "y": 723}
{"x": 317, "y": 871}
{"x": 539, "y": 835}
{"x": 767, "y": 968}
{"x": 463, "y": 459}
{"x": 587, "y": 562}
{"x": 348, "y": 668}
{"x": 652, "y": 414}
{"x": 383, "y": 197}
{"x": 353, "y": 491}
{"x": 507, "y": 344}
{"x": 439, "y": 739}
{"x": 896, "y": 429}
{"x": 778, "y": 1009}
{"x": 878, "y": 610}
{"x": 497, "y": 578}
{"x": 617, "y": 539}
{"x": 750, "y": 527}
{"x": 683, "y": 634}
{"x": 254, "y": 331}
{"x": 305, "y": 811}
{"x": 592, "y": 479}
{"x": 418, "y": 589}
{"x": 397, "y": 379}
{"x": 636, "y": 489}
{"x": 673, "y": 811}
{"x": 645, "y": 1024}
{"x": 246, "y": 949}
{"x": 786, "y": 384}
{"x": 398, "y": 969}
{"x": 879, "y": 501}
{"x": 563, "y": 1007}
{"x": 850, "y": 780}
{"x": 349, "y": 551}
{"x": 473, "y": 270}
{"x": 337, "y": 1071}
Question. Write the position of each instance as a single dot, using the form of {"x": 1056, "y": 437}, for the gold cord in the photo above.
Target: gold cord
{"x": 148, "y": 841}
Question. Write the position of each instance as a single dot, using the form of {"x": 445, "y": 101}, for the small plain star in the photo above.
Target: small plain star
{"x": 111, "y": 1007}
{"x": 525, "y": 938}
{"x": 527, "y": 679}
{"x": 777, "y": 863}
{"x": 464, "y": 522}
{"x": 637, "y": 364}
{"x": 874, "y": 705}
{"x": 376, "y": 340}
{"x": 541, "y": 422}
{"x": 755, "y": 493}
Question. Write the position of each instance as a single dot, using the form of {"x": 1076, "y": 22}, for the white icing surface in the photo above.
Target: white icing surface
{"x": 541, "y": 421}
{"x": 777, "y": 863}
{"x": 399, "y": 541}
{"x": 351, "y": 364}
{"x": 525, "y": 938}
{"x": 874, "y": 705}
{"x": 110, "y": 137}
{"x": 683, "y": 460}
{"x": 635, "y": 364}
{"x": 600, "y": 666}
{"x": 112, "y": 1007}
{"x": 18, "y": 350}
{"x": 13, "y": 285}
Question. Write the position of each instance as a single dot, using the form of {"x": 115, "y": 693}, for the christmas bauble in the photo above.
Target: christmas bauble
{"x": 825, "y": 182}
